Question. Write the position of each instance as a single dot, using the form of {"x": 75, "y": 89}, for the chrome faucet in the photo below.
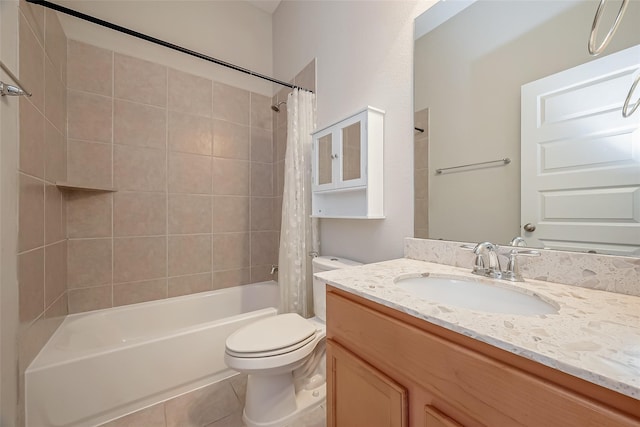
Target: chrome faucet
{"x": 486, "y": 262}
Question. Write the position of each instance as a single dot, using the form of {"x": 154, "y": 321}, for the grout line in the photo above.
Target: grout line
{"x": 166, "y": 181}
{"x": 113, "y": 159}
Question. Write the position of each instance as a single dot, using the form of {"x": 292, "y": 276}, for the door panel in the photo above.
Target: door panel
{"x": 581, "y": 158}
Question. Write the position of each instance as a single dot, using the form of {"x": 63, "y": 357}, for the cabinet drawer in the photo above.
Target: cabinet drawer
{"x": 477, "y": 386}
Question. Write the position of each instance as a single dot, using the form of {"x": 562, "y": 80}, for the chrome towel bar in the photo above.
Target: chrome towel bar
{"x": 505, "y": 161}
{"x": 11, "y": 90}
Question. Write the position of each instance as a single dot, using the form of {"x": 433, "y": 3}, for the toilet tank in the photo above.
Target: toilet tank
{"x": 326, "y": 263}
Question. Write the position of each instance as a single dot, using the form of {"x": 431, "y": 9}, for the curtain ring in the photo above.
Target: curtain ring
{"x": 625, "y": 108}
{"x": 594, "y": 51}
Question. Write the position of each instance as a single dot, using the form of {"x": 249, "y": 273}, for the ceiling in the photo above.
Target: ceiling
{"x": 268, "y": 6}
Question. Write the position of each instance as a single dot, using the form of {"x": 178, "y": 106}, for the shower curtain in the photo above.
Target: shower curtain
{"x": 299, "y": 232}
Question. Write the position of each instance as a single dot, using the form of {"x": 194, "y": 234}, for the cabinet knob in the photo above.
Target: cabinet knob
{"x": 334, "y": 156}
{"x": 529, "y": 227}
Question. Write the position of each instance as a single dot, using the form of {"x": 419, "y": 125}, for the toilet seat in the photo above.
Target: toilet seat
{"x": 271, "y": 337}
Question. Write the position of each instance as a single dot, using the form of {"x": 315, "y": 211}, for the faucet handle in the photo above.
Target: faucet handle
{"x": 513, "y": 267}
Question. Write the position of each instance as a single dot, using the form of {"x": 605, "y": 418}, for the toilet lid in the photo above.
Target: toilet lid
{"x": 271, "y": 336}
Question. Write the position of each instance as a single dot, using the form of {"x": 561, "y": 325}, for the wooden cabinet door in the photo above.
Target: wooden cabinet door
{"x": 435, "y": 418}
{"x": 360, "y": 395}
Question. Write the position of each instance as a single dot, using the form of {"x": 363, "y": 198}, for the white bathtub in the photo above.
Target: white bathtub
{"x": 104, "y": 364}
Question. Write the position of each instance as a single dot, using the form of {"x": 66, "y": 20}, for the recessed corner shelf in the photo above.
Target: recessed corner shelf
{"x": 73, "y": 187}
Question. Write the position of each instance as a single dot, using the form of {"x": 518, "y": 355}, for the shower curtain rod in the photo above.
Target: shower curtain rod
{"x": 133, "y": 33}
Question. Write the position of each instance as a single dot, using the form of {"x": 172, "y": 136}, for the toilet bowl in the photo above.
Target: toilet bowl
{"x": 284, "y": 357}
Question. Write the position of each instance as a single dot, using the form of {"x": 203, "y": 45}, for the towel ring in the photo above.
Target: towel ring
{"x": 596, "y": 22}
{"x": 625, "y": 108}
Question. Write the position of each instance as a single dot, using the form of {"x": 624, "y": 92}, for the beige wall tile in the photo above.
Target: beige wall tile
{"x": 31, "y": 213}
{"x": 421, "y": 154}
{"x": 307, "y": 77}
{"x": 139, "y": 214}
{"x": 190, "y": 94}
{"x": 230, "y": 213}
{"x": 87, "y": 299}
{"x": 189, "y": 254}
{"x": 55, "y": 281}
{"x": 189, "y": 214}
{"x": 189, "y": 173}
{"x": 261, "y": 145}
{"x": 31, "y": 139}
{"x": 89, "y": 68}
{"x": 55, "y": 43}
{"x": 58, "y": 309}
{"x": 264, "y": 248}
{"x": 261, "y": 112}
{"x": 277, "y": 213}
{"x": 89, "y": 163}
{"x": 230, "y": 177}
{"x": 189, "y": 133}
{"x": 230, "y": 104}
{"x": 35, "y": 17}
{"x": 89, "y": 214}
{"x": 135, "y": 292}
{"x": 421, "y": 183}
{"x": 186, "y": 285}
{"x": 230, "y": 278}
{"x": 31, "y": 62}
{"x": 54, "y": 229}
{"x": 279, "y": 167}
{"x": 139, "y": 258}
{"x": 281, "y": 144}
{"x": 55, "y": 162}
{"x": 149, "y": 417}
{"x": 89, "y": 262}
{"x": 31, "y": 284}
{"x": 230, "y": 251}
{"x": 261, "y": 179}
{"x": 139, "y": 124}
{"x": 261, "y": 273}
{"x": 139, "y": 169}
{"x": 202, "y": 406}
{"x": 89, "y": 116}
{"x": 139, "y": 80}
{"x": 421, "y": 214}
{"x": 262, "y": 213}
{"x": 230, "y": 140}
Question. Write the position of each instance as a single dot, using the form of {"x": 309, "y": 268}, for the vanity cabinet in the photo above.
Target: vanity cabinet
{"x": 404, "y": 371}
{"x": 347, "y": 164}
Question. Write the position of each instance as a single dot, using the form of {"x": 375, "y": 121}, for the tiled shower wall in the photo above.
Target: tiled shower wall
{"x": 421, "y": 175}
{"x": 42, "y": 248}
{"x": 192, "y": 162}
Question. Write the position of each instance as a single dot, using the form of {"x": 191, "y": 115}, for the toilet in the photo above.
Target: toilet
{"x": 284, "y": 357}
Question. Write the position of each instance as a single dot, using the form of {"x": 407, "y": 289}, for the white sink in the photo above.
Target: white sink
{"x": 475, "y": 295}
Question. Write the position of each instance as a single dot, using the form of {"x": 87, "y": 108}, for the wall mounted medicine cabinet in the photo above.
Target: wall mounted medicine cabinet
{"x": 348, "y": 167}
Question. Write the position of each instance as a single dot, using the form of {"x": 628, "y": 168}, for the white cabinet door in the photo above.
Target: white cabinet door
{"x": 580, "y": 180}
{"x": 339, "y": 155}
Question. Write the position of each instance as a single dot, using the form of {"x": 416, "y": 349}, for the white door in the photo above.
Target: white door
{"x": 581, "y": 159}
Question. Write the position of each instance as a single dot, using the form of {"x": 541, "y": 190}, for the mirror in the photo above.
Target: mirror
{"x": 470, "y": 61}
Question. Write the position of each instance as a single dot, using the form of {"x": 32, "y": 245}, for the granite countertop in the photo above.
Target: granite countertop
{"x": 594, "y": 336}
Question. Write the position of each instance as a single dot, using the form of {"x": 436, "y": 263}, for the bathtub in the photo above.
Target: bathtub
{"x": 104, "y": 364}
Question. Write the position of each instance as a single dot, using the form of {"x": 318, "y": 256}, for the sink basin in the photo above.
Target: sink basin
{"x": 475, "y": 295}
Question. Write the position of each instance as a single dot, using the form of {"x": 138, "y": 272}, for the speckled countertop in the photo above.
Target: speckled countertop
{"x": 594, "y": 336}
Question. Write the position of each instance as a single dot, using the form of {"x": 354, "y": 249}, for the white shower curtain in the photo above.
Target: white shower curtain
{"x": 299, "y": 232}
